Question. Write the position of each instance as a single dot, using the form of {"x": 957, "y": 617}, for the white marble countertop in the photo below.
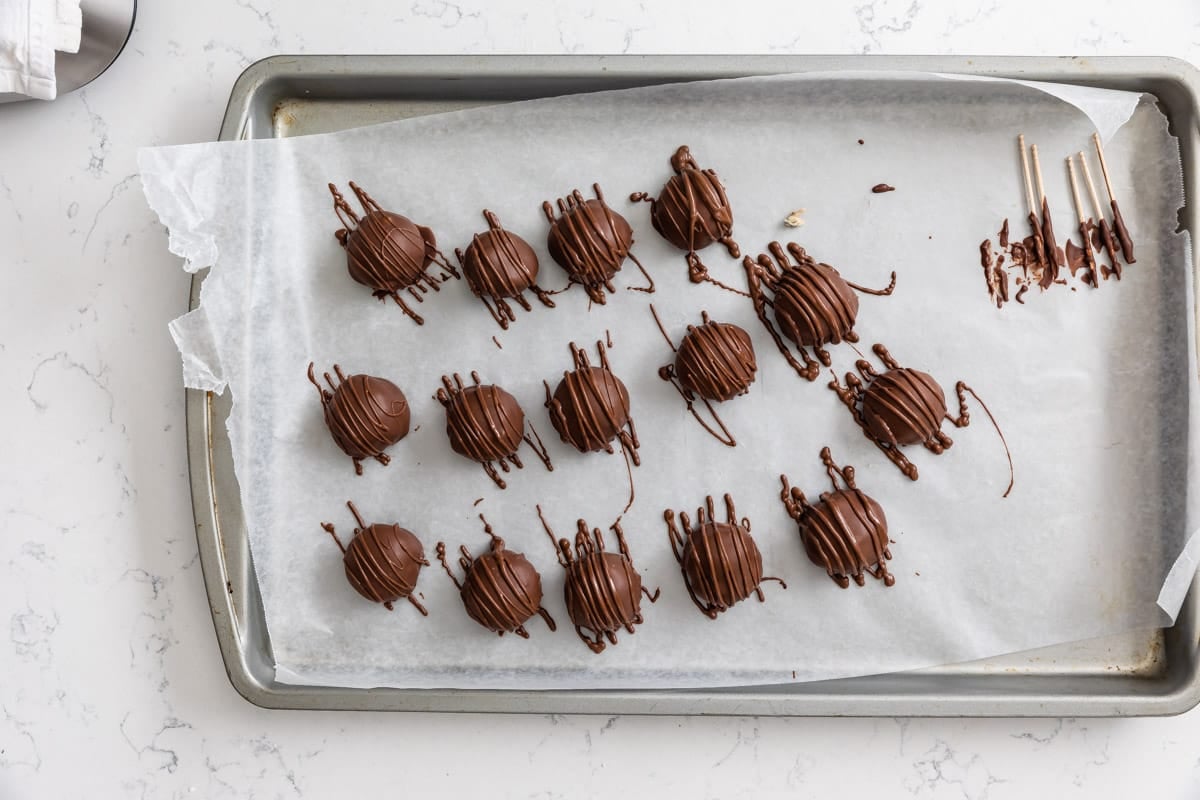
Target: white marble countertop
{"x": 111, "y": 684}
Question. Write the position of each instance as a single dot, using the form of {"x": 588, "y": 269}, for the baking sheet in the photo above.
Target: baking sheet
{"x": 821, "y": 414}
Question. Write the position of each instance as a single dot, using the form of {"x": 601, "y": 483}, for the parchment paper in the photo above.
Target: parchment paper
{"x": 1095, "y": 389}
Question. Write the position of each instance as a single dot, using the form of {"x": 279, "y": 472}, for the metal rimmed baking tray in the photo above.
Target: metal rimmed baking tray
{"x": 1142, "y": 672}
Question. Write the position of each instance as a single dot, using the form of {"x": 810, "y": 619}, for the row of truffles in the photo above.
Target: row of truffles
{"x": 844, "y": 532}
{"x": 392, "y": 255}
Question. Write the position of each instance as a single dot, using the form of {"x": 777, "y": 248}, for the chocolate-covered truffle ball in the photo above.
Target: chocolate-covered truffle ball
{"x": 501, "y": 589}
{"x": 386, "y": 251}
{"x": 364, "y": 414}
{"x": 603, "y": 591}
{"x": 382, "y": 562}
{"x": 499, "y": 266}
{"x": 590, "y": 407}
{"x": 692, "y": 211}
{"x": 845, "y": 532}
{"x": 486, "y": 424}
{"x": 590, "y": 241}
{"x": 720, "y": 561}
{"x": 903, "y": 406}
{"x": 716, "y": 360}
{"x": 813, "y": 304}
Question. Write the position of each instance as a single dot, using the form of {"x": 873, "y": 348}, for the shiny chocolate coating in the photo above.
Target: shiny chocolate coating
{"x": 365, "y": 414}
{"x": 383, "y": 562}
{"x": 722, "y": 564}
{"x": 903, "y": 406}
{"x": 498, "y": 263}
{"x": 692, "y": 211}
{"x": 716, "y": 360}
{"x": 384, "y": 250}
{"x": 484, "y": 423}
{"x": 603, "y": 590}
{"x": 845, "y": 532}
{"x": 814, "y": 305}
{"x": 501, "y": 589}
{"x": 589, "y": 240}
{"x": 590, "y": 407}
{"x": 720, "y": 561}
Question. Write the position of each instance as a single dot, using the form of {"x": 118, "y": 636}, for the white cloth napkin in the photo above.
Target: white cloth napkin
{"x": 30, "y": 33}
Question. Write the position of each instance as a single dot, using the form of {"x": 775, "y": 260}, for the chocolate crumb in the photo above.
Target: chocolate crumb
{"x": 860, "y": 141}
{"x": 880, "y": 188}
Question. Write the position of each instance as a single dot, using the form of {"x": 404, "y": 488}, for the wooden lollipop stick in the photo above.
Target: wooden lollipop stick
{"x": 1119, "y": 228}
{"x": 1037, "y": 173}
{"x": 1075, "y": 192}
{"x": 1103, "y": 166}
{"x": 1091, "y": 187}
{"x": 1025, "y": 172}
{"x": 1106, "y": 235}
{"x": 1088, "y": 255}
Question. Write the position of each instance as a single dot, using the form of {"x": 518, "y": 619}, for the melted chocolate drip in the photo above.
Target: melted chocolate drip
{"x": 388, "y": 252}
{"x": 880, "y": 188}
{"x": 501, "y": 590}
{"x": 845, "y": 532}
{"x": 486, "y": 424}
{"x": 364, "y": 414}
{"x": 813, "y": 303}
{"x": 603, "y": 591}
{"x": 1053, "y": 256}
{"x": 692, "y": 211}
{"x": 1122, "y": 233}
{"x": 720, "y": 562}
{"x": 382, "y": 562}
{"x": 590, "y": 241}
{"x": 590, "y": 407}
{"x": 1102, "y": 237}
{"x": 500, "y": 266}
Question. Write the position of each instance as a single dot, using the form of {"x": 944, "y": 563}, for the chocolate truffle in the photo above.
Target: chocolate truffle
{"x": 845, "y": 532}
{"x": 486, "y": 424}
{"x": 499, "y": 266}
{"x": 603, "y": 591}
{"x": 715, "y": 360}
{"x": 590, "y": 241}
{"x": 720, "y": 562}
{"x": 590, "y": 407}
{"x": 691, "y": 212}
{"x": 814, "y": 305}
{"x": 388, "y": 252}
{"x": 904, "y": 406}
{"x": 501, "y": 589}
{"x": 382, "y": 562}
{"x": 364, "y": 414}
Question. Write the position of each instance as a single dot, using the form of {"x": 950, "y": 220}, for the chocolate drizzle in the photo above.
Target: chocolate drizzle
{"x": 603, "y": 591}
{"x": 501, "y": 589}
{"x": 388, "y": 252}
{"x": 364, "y": 414}
{"x": 845, "y": 532}
{"x": 590, "y": 407}
{"x": 904, "y": 406}
{"x": 720, "y": 562}
{"x": 486, "y": 424}
{"x": 813, "y": 304}
{"x": 691, "y": 212}
{"x": 715, "y": 361}
{"x": 382, "y": 562}
{"x": 591, "y": 241}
